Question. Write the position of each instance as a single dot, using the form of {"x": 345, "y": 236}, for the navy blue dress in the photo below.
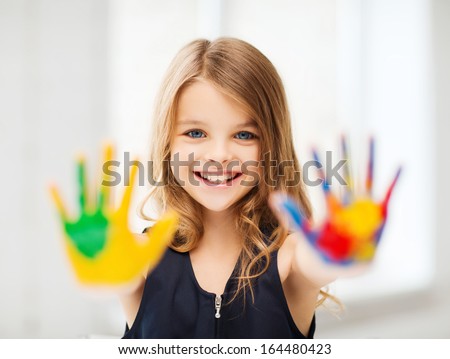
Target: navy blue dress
{"x": 174, "y": 306}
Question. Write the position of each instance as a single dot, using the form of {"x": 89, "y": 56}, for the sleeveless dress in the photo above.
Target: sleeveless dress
{"x": 174, "y": 306}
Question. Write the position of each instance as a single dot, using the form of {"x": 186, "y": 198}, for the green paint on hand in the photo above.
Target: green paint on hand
{"x": 88, "y": 233}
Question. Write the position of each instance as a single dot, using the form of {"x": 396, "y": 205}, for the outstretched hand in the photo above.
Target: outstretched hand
{"x": 101, "y": 248}
{"x": 352, "y": 230}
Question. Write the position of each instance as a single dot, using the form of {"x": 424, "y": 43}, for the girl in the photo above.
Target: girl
{"x": 231, "y": 271}
{"x": 221, "y": 138}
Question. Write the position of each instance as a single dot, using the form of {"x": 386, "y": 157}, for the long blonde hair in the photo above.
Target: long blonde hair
{"x": 242, "y": 72}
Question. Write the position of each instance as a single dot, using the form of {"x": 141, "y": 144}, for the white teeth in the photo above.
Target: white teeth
{"x": 217, "y": 179}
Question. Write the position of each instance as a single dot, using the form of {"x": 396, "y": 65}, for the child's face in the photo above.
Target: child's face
{"x": 213, "y": 136}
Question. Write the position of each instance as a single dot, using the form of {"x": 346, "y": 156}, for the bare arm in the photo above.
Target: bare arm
{"x": 307, "y": 266}
{"x": 301, "y": 294}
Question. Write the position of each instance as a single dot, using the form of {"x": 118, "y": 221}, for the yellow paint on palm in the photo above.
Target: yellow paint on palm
{"x": 124, "y": 258}
{"x": 361, "y": 219}
{"x": 100, "y": 247}
{"x": 365, "y": 250}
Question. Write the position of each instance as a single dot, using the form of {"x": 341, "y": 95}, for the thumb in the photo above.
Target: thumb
{"x": 288, "y": 212}
{"x": 160, "y": 236}
{"x": 275, "y": 204}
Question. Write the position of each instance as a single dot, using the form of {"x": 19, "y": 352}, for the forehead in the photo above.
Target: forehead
{"x": 201, "y": 103}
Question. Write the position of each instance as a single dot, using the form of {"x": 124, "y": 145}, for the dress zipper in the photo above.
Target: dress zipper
{"x": 218, "y": 304}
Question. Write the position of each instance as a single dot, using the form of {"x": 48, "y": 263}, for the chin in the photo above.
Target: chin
{"x": 215, "y": 205}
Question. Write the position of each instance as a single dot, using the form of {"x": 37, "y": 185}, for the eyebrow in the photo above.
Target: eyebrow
{"x": 249, "y": 123}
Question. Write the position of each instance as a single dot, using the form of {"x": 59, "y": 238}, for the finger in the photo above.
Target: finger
{"x": 57, "y": 201}
{"x": 126, "y": 199}
{"x": 325, "y": 186}
{"x": 332, "y": 202}
{"x": 369, "y": 178}
{"x": 105, "y": 189}
{"x": 274, "y": 205}
{"x": 288, "y": 212}
{"x": 82, "y": 186}
{"x": 387, "y": 197}
{"x": 379, "y": 233}
{"x": 160, "y": 236}
{"x": 348, "y": 191}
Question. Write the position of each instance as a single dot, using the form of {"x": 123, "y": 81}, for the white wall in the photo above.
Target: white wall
{"x": 76, "y": 72}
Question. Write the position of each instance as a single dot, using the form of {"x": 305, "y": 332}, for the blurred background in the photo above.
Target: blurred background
{"x": 76, "y": 72}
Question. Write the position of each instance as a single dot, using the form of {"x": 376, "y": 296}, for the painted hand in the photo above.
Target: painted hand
{"x": 351, "y": 232}
{"x": 99, "y": 244}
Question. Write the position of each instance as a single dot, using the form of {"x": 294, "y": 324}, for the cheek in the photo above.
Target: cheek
{"x": 180, "y": 151}
{"x": 249, "y": 153}
{"x": 251, "y": 165}
{"x": 181, "y": 160}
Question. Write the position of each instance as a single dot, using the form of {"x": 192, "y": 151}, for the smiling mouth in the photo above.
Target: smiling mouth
{"x": 213, "y": 179}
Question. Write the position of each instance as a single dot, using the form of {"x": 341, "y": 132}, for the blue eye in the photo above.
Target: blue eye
{"x": 196, "y": 133}
{"x": 246, "y": 135}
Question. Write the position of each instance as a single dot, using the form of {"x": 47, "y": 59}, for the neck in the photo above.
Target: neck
{"x": 220, "y": 234}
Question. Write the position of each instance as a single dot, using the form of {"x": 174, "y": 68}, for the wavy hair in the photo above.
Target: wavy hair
{"x": 243, "y": 73}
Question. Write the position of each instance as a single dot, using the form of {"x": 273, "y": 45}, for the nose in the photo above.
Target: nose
{"x": 218, "y": 152}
